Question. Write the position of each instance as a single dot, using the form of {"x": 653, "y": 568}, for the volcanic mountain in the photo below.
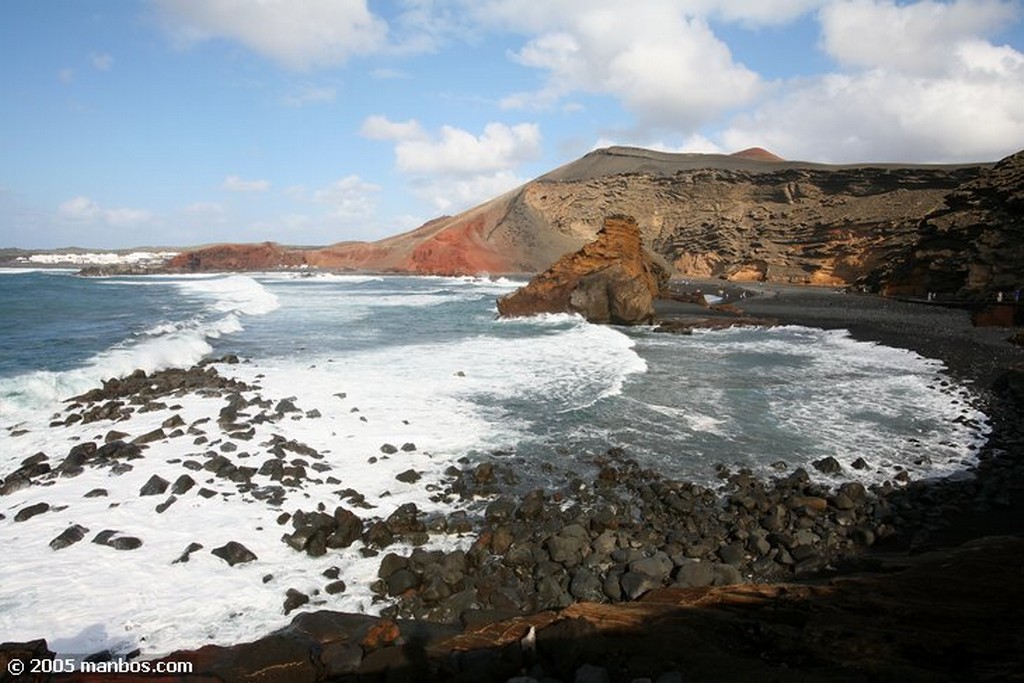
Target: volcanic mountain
{"x": 746, "y": 216}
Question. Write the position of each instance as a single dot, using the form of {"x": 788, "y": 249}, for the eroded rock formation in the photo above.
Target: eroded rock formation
{"x": 610, "y": 280}
{"x": 973, "y": 245}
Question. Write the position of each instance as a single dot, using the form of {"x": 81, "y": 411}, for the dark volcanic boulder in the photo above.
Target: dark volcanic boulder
{"x": 614, "y": 279}
{"x": 234, "y": 553}
{"x": 31, "y": 511}
{"x": 73, "y": 534}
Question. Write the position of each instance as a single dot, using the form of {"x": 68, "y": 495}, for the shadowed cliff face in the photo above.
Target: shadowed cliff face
{"x": 973, "y": 244}
{"x": 768, "y": 221}
{"x": 741, "y": 217}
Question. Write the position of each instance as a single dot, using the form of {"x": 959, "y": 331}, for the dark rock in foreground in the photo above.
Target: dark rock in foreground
{"x": 930, "y": 617}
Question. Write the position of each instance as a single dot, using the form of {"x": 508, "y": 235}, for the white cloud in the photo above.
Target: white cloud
{"x": 66, "y": 75}
{"x": 299, "y": 34}
{"x": 236, "y": 184}
{"x": 125, "y": 217}
{"x": 456, "y": 151}
{"x": 381, "y": 128}
{"x": 207, "y": 212}
{"x": 920, "y": 83}
{"x": 80, "y": 209}
{"x": 659, "y": 58}
{"x": 84, "y": 210}
{"x": 921, "y": 37}
{"x": 351, "y": 199}
{"x": 385, "y": 73}
{"x": 450, "y": 195}
{"x": 310, "y": 94}
{"x": 101, "y": 61}
{"x": 454, "y": 168}
{"x": 694, "y": 143}
{"x": 879, "y": 115}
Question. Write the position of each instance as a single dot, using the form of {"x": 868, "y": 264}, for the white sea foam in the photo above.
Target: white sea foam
{"x": 234, "y": 293}
{"x": 499, "y": 384}
{"x": 799, "y": 394}
{"x": 165, "y": 345}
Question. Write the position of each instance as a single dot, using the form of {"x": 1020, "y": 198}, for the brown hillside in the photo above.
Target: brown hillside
{"x": 741, "y": 217}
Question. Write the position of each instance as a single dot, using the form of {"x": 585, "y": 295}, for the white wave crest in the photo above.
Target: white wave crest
{"x": 234, "y": 293}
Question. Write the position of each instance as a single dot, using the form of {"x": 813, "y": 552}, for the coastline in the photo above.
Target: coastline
{"x": 966, "y": 509}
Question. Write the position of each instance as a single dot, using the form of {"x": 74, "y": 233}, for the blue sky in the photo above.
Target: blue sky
{"x": 183, "y": 122}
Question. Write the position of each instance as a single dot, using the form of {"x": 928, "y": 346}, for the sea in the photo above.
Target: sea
{"x": 370, "y": 361}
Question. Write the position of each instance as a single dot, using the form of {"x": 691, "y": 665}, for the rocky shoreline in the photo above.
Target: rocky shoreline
{"x": 548, "y": 570}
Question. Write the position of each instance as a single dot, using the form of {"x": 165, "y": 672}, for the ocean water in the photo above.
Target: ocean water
{"x": 393, "y": 360}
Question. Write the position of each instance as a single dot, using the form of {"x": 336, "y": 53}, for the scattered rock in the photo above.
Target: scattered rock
{"x": 408, "y": 477}
{"x": 828, "y": 465}
{"x": 294, "y": 599}
{"x": 31, "y": 511}
{"x": 113, "y": 539}
{"x": 154, "y": 487}
{"x": 234, "y": 553}
{"x": 184, "y": 557}
{"x": 73, "y": 534}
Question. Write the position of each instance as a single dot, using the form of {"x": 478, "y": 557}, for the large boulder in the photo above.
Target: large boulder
{"x": 613, "y": 279}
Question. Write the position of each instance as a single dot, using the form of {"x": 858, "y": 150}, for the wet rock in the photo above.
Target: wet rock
{"x": 635, "y": 584}
{"x": 567, "y": 547}
{"x": 157, "y": 434}
{"x": 657, "y": 566}
{"x": 162, "y": 507}
{"x": 400, "y": 581}
{"x": 96, "y": 493}
{"x": 73, "y": 534}
{"x": 406, "y": 520}
{"x": 154, "y": 487}
{"x": 234, "y": 553}
{"x": 695, "y": 574}
{"x": 335, "y": 587}
{"x": 113, "y": 539}
{"x": 379, "y": 535}
{"x": 16, "y": 481}
{"x": 31, "y": 511}
{"x": 348, "y": 528}
{"x": 183, "y": 484}
{"x": 388, "y": 449}
{"x": 294, "y": 599}
{"x": 587, "y": 586}
{"x": 408, "y": 447}
{"x": 409, "y": 477}
{"x": 184, "y": 557}
{"x": 828, "y": 465}
{"x": 286, "y": 405}
{"x": 173, "y": 422}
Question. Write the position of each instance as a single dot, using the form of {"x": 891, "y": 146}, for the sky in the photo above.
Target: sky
{"x": 176, "y": 123}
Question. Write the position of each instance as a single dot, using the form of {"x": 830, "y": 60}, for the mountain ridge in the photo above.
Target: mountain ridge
{"x": 747, "y": 216}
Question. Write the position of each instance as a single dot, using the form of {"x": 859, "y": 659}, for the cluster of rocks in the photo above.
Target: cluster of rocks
{"x": 119, "y": 398}
{"x": 627, "y": 532}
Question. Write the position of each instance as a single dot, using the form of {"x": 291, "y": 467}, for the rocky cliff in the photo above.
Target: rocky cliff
{"x": 610, "y": 280}
{"x": 970, "y": 246}
{"x": 747, "y": 216}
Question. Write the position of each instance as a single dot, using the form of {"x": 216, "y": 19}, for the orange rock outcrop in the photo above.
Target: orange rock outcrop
{"x": 613, "y": 279}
